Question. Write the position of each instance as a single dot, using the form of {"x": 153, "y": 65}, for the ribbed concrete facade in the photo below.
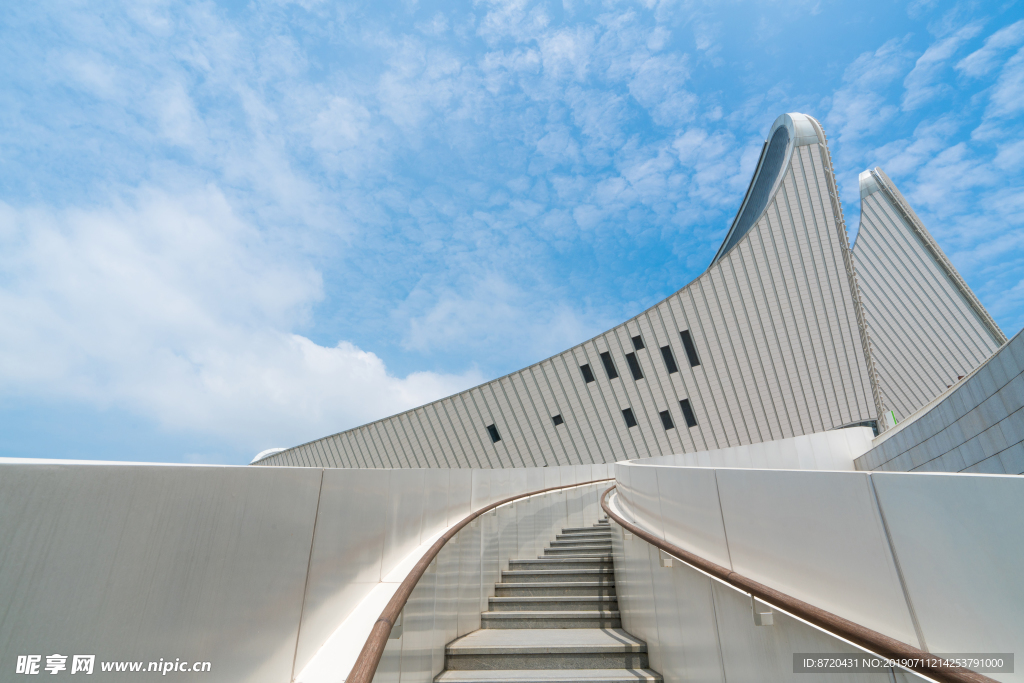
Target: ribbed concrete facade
{"x": 927, "y": 327}
{"x": 765, "y": 344}
{"x": 977, "y": 426}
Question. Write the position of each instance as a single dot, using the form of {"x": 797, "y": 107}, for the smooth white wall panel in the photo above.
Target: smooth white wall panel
{"x": 404, "y": 515}
{"x": 809, "y": 533}
{"x": 691, "y": 514}
{"x": 765, "y": 653}
{"x": 133, "y": 562}
{"x": 435, "y": 502}
{"x": 345, "y": 563}
{"x": 960, "y": 545}
{"x": 460, "y": 494}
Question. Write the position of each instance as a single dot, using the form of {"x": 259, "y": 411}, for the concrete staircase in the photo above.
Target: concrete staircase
{"x": 553, "y": 620}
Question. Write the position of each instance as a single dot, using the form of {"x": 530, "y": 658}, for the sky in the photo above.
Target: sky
{"x": 231, "y": 226}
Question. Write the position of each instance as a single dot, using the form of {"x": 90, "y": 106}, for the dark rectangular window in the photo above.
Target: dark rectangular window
{"x": 670, "y": 361}
{"x": 638, "y": 343}
{"x": 557, "y": 419}
{"x": 691, "y": 419}
{"x": 666, "y": 420}
{"x": 493, "y": 431}
{"x": 627, "y": 414}
{"x": 588, "y": 376}
{"x": 691, "y": 350}
{"x": 634, "y": 366}
{"x": 609, "y": 366}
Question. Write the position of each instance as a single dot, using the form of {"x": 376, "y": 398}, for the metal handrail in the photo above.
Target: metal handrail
{"x": 866, "y": 638}
{"x": 369, "y": 657}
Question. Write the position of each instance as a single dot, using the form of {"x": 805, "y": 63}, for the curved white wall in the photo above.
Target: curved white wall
{"x": 249, "y": 568}
{"x": 932, "y": 560}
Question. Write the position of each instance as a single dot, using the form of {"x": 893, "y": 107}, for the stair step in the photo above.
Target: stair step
{"x": 538, "y": 603}
{"x": 581, "y": 542}
{"x": 551, "y": 619}
{"x": 566, "y": 649}
{"x": 563, "y": 563}
{"x": 599, "y": 573}
{"x": 568, "y": 539}
{"x": 584, "y": 549}
{"x": 582, "y": 530}
{"x": 550, "y": 676}
{"x": 555, "y": 588}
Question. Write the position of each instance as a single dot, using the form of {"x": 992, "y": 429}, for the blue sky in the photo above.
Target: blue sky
{"x": 226, "y": 227}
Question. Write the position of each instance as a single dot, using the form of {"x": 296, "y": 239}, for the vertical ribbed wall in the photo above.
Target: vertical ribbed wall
{"x": 774, "y": 323}
{"x": 926, "y": 326}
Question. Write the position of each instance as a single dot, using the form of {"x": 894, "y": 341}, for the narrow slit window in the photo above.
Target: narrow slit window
{"x": 588, "y": 375}
{"x": 609, "y": 365}
{"x": 638, "y": 343}
{"x": 666, "y": 420}
{"x": 627, "y": 415}
{"x": 634, "y": 366}
{"x": 557, "y": 419}
{"x": 691, "y": 350}
{"x": 691, "y": 419}
{"x": 670, "y": 360}
{"x": 493, "y": 431}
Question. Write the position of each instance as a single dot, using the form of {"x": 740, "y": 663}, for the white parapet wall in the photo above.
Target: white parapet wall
{"x": 933, "y": 560}
{"x": 251, "y": 569}
{"x": 833, "y": 450}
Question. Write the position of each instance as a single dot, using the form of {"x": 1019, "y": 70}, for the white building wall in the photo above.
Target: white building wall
{"x": 927, "y": 327}
{"x": 977, "y": 426}
{"x": 774, "y": 321}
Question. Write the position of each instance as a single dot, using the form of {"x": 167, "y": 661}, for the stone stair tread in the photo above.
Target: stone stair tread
{"x": 597, "y": 559}
{"x": 549, "y": 676}
{"x": 555, "y": 584}
{"x": 578, "y": 544}
{"x": 551, "y": 598}
{"x": 553, "y": 614}
{"x": 546, "y": 641}
{"x": 556, "y": 572}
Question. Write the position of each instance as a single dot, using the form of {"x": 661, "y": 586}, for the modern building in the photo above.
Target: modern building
{"x": 928, "y": 329}
{"x": 754, "y": 468}
{"x": 788, "y": 332}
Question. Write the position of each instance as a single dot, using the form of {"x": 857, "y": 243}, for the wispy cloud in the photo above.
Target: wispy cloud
{"x": 226, "y": 219}
{"x": 924, "y": 82}
{"x": 983, "y": 60}
{"x": 174, "y": 307}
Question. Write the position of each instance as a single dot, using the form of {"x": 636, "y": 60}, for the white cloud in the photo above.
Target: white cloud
{"x": 983, "y": 60}
{"x": 860, "y": 106}
{"x": 924, "y": 83}
{"x": 657, "y": 86}
{"x": 1007, "y": 98}
{"x": 172, "y": 307}
{"x": 488, "y": 311}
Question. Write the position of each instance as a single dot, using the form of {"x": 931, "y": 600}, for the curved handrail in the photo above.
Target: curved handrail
{"x": 369, "y": 657}
{"x": 844, "y": 628}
